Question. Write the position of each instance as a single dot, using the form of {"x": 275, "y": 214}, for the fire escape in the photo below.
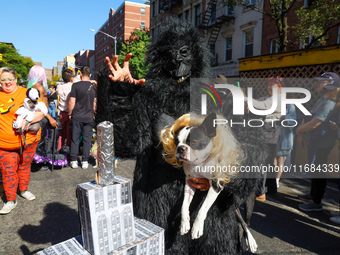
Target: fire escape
{"x": 213, "y": 22}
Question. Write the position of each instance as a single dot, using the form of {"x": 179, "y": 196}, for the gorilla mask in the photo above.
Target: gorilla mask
{"x": 179, "y": 64}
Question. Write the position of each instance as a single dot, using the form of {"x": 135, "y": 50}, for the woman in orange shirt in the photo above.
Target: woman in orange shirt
{"x": 15, "y": 157}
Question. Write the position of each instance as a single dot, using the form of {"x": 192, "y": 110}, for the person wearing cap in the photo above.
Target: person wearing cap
{"x": 334, "y": 125}
{"x": 321, "y": 139}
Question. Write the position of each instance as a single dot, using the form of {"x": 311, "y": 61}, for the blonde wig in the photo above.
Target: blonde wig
{"x": 226, "y": 150}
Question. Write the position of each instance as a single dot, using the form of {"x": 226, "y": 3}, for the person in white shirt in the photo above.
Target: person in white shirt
{"x": 64, "y": 97}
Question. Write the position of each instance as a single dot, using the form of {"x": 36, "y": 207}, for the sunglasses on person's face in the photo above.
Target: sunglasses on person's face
{"x": 7, "y": 80}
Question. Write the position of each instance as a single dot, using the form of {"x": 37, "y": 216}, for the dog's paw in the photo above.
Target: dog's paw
{"x": 244, "y": 244}
{"x": 185, "y": 225}
{"x": 197, "y": 229}
{"x": 251, "y": 242}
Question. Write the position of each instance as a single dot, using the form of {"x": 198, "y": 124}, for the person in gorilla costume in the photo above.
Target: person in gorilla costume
{"x": 139, "y": 112}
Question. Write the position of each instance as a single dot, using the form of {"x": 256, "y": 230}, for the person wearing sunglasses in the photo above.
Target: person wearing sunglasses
{"x": 15, "y": 156}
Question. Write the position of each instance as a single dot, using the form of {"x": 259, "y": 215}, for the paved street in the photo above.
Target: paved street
{"x": 277, "y": 225}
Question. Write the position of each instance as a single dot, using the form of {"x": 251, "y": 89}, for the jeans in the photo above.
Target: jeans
{"x": 78, "y": 128}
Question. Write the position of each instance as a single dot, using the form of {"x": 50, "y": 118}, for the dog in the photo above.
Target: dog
{"x": 200, "y": 147}
{"x": 31, "y": 105}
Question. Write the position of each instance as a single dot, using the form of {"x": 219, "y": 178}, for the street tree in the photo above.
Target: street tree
{"x": 315, "y": 22}
{"x": 278, "y": 11}
{"x": 137, "y": 44}
{"x": 11, "y": 58}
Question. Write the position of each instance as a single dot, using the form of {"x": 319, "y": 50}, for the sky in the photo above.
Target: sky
{"x": 48, "y": 31}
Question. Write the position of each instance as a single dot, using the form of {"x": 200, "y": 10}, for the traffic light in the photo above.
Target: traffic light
{"x": 0, "y": 57}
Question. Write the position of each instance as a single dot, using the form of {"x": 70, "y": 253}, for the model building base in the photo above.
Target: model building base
{"x": 149, "y": 241}
{"x": 106, "y": 215}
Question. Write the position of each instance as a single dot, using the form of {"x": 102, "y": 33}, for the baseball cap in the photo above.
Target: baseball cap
{"x": 330, "y": 76}
{"x": 334, "y": 85}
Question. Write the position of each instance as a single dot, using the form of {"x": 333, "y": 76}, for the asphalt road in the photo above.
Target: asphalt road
{"x": 277, "y": 225}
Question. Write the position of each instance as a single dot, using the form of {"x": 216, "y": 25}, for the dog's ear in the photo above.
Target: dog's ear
{"x": 28, "y": 92}
{"x": 208, "y": 125}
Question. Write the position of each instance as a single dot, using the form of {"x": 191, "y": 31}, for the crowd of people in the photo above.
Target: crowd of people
{"x": 317, "y": 132}
{"x": 66, "y": 117}
{"x": 69, "y": 121}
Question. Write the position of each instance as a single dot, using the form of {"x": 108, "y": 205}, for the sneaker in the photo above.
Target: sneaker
{"x": 74, "y": 164}
{"x": 335, "y": 219}
{"x": 305, "y": 197}
{"x": 43, "y": 168}
{"x": 311, "y": 207}
{"x": 84, "y": 165}
{"x": 8, "y": 207}
{"x": 261, "y": 198}
{"x": 27, "y": 195}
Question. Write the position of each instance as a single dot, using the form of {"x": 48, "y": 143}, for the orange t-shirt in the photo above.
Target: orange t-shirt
{"x": 9, "y": 104}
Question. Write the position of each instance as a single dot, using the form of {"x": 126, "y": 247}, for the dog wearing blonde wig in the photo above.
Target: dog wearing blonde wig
{"x": 204, "y": 150}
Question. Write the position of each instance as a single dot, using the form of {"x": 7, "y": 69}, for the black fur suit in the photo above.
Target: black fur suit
{"x": 158, "y": 187}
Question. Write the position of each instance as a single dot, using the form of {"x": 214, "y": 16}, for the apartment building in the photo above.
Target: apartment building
{"x": 83, "y": 58}
{"x": 119, "y": 25}
{"x": 270, "y": 33}
{"x": 70, "y": 61}
{"x": 231, "y": 32}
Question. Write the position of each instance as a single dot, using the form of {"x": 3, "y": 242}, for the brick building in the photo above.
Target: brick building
{"x": 129, "y": 16}
{"x": 48, "y": 72}
{"x": 270, "y": 33}
{"x": 83, "y": 58}
{"x": 232, "y": 32}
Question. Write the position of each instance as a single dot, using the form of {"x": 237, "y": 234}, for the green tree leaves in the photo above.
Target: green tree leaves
{"x": 316, "y": 21}
{"x": 11, "y": 58}
{"x": 137, "y": 44}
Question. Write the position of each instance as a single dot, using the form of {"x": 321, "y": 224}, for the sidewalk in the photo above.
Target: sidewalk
{"x": 277, "y": 224}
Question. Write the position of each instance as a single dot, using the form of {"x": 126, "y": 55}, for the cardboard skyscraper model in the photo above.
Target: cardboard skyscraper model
{"x": 108, "y": 225}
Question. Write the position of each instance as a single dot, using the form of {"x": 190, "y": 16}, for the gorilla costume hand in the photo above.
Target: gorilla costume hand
{"x": 122, "y": 74}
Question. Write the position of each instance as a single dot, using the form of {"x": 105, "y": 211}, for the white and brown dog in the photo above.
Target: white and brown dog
{"x": 203, "y": 148}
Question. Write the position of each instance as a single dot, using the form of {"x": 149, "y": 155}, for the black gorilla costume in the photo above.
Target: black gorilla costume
{"x": 138, "y": 113}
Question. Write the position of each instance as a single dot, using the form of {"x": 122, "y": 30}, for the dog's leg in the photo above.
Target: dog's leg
{"x": 189, "y": 192}
{"x": 197, "y": 228}
{"x": 247, "y": 241}
{"x": 249, "y": 207}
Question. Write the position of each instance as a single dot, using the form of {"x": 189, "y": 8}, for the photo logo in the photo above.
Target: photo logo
{"x": 280, "y": 100}
{"x": 209, "y": 93}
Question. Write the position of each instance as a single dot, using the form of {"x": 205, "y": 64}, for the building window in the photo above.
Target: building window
{"x": 307, "y": 41}
{"x": 308, "y": 3}
{"x": 229, "y": 10}
{"x": 274, "y": 46}
{"x": 186, "y": 15}
{"x": 248, "y": 42}
{"x": 180, "y": 16}
{"x": 120, "y": 12}
{"x": 120, "y": 26}
{"x": 338, "y": 40}
{"x": 228, "y": 48}
{"x": 213, "y": 14}
{"x": 153, "y": 9}
{"x": 142, "y": 10}
{"x": 197, "y": 15}
{"x": 142, "y": 25}
{"x": 250, "y": 2}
